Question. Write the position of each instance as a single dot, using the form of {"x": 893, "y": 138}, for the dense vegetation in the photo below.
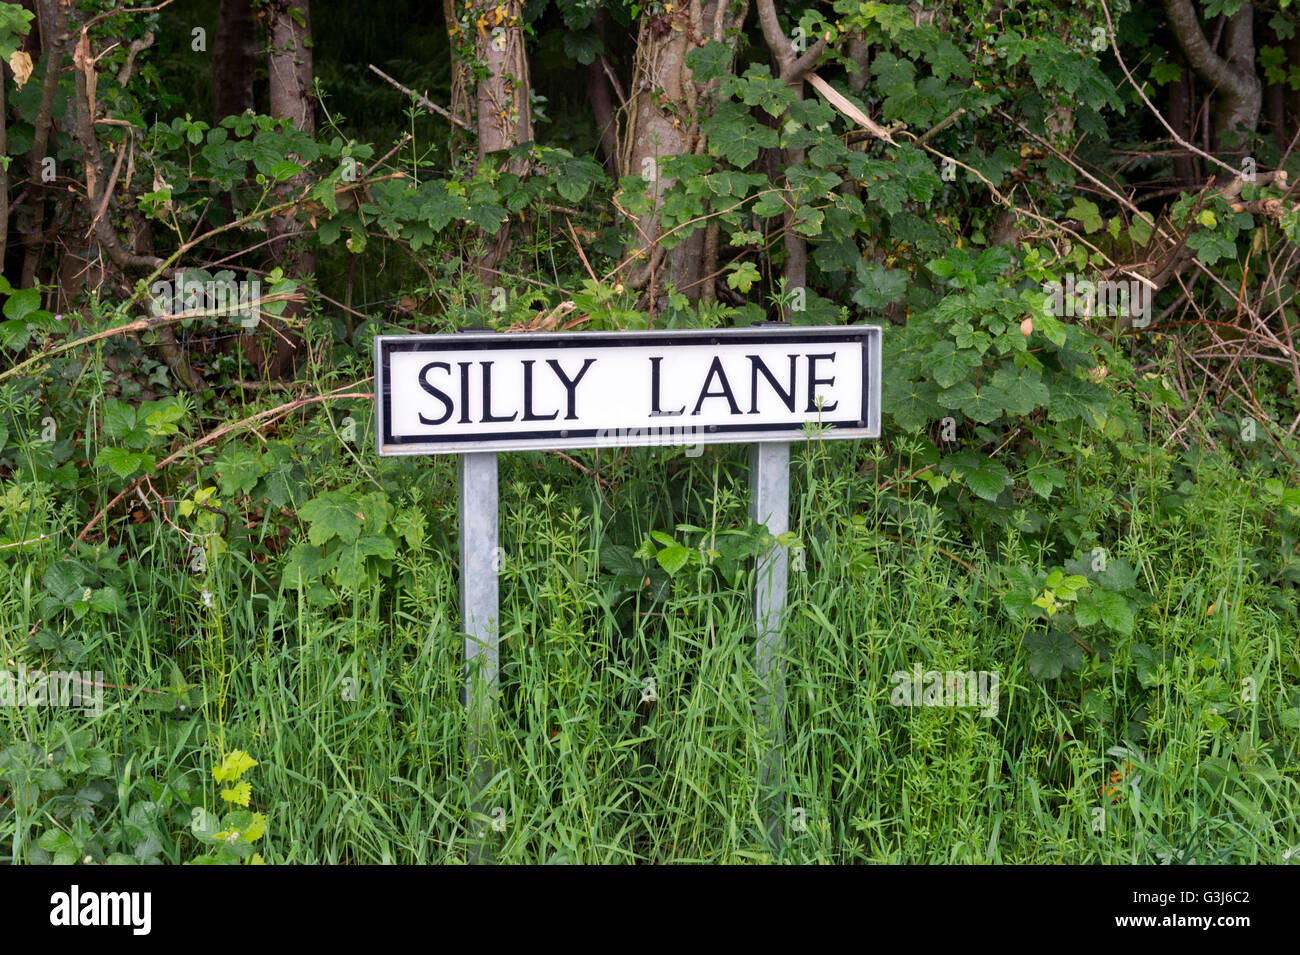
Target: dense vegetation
{"x": 1075, "y": 220}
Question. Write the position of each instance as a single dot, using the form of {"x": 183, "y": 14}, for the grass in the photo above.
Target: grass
{"x": 354, "y": 713}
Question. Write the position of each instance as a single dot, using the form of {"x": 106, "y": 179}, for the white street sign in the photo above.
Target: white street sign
{"x": 479, "y": 391}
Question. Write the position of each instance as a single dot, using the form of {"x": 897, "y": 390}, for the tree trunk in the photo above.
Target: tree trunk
{"x": 1186, "y": 170}
{"x": 794, "y": 66}
{"x": 602, "y": 108}
{"x": 1237, "y": 90}
{"x": 664, "y": 122}
{"x": 234, "y": 50}
{"x": 52, "y": 18}
{"x": 462, "y": 78}
{"x": 4, "y": 174}
{"x": 502, "y": 100}
{"x": 290, "y": 67}
{"x": 504, "y": 118}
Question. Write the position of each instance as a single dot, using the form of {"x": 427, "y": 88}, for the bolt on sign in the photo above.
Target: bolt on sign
{"x": 467, "y": 392}
{"x": 474, "y": 394}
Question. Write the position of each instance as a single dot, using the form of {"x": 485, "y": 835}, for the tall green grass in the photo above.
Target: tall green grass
{"x": 355, "y": 713}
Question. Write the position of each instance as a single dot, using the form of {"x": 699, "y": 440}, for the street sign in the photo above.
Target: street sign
{"x": 474, "y": 394}
{"x": 480, "y": 391}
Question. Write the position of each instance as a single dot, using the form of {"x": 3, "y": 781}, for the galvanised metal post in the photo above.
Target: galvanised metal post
{"x": 769, "y": 479}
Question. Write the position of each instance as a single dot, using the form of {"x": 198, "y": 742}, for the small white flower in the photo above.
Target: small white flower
{"x": 88, "y": 860}
{"x": 207, "y": 597}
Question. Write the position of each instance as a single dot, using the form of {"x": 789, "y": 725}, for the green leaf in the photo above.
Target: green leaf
{"x": 1087, "y": 213}
{"x": 1051, "y": 654}
{"x": 303, "y": 566}
{"x": 1212, "y": 246}
{"x": 284, "y": 169}
{"x": 1147, "y": 663}
{"x": 121, "y": 423}
{"x": 122, "y": 462}
{"x": 237, "y": 470}
{"x": 735, "y": 136}
{"x": 161, "y": 421}
{"x": 332, "y": 514}
{"x": 1044, "y": 479}
{"x": 22, "y": 303}
{"x": 912, "y": 403}
{"x": 989, "y": 479}
{"x": 742, "y": 275}
{"x": 618, "y": 560}
{"x": 14, "y": 334}
{"x": 879, "y": 286}
{"x": 1023, "y": 388}
{"x": 583, "y": 46}
{"x": 673, "y": 558}
{"x": 1107, "y": 607}
{"x": 235, "y": 764}
{"x": 983, "y": 403}
{"x": 107, "y": 600}
{"x": 710, "y": 61}
{"x": 949, "y": 365}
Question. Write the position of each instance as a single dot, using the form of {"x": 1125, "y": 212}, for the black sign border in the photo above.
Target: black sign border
{"x": 489, "y": 341}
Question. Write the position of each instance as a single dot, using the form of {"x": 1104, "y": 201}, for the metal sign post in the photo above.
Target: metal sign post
{"x": 769, "y": 505}
{"x": 475, "y": 394}
{"x": 479, "y": 561}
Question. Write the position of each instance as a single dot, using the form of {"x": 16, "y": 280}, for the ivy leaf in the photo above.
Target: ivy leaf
{"x": 759, "y": 88}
